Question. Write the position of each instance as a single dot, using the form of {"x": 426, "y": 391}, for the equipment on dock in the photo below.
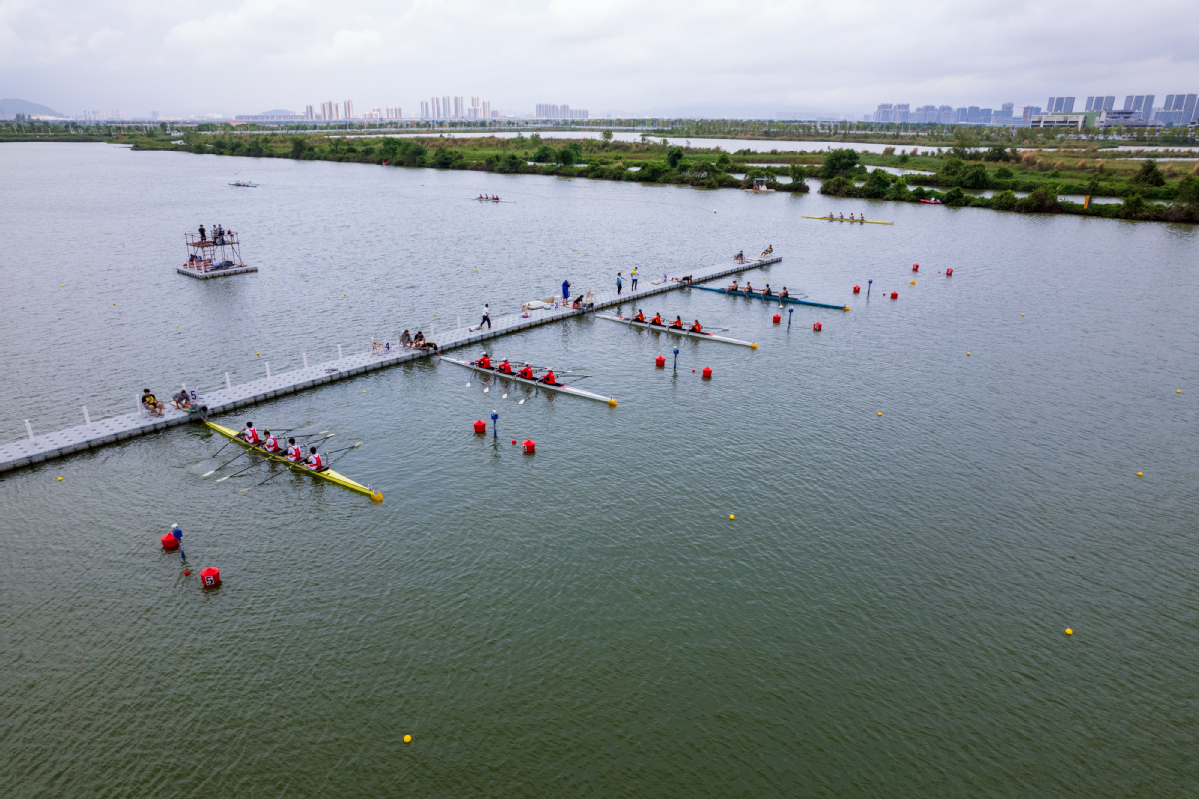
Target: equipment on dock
{"x": 774, "y": 298}
{"x": 577, "y": 392}
{"x": 324, "y": 474}
{"x": 859, "y": 221}
{"x": 676, "y": 331}
{"x": 214, "y": 255}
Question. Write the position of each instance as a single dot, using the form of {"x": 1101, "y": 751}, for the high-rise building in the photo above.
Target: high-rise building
{"x": 445, "y": 107}
{"x": 459, "y": 107}
{"x": 435, "y": 105}
{"x": 308, "y": 112}
{"x": 395, "y": 112}
{"x": 424, "y": 109}
{"x": 349, "y": 106}
{"x": 486, "y": 109}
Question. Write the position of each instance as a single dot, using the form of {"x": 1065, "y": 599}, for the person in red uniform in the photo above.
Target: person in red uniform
{"x": 250, "y": 435}
{"x": 640, "y": 317}
{"x": 657, "y": 320}
{"x": 677, "y": 324}
{"x": 549, "y": 378}
{"x": 315, "y": 461}
{"x": 696, "y": 327}
{"x": 484, "y": 362}
{"x": 294, "y": 453}
{"x": 504, "y": 368}
{"x": 526, "y": 372}
{"x": 270, "y": 443}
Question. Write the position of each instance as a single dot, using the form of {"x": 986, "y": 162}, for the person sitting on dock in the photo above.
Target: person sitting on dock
{"x": 181, "y": 400}
{"x": 250, "y": 435}
{"x": 696, "y": 327}
{"x": 657, "y": 320}
{"x": 677, "y": 324}
{"x": 420, "y": 343}
{"x": 484, "y": 362}
{"x": 739, "y": 257}
{"x": 405, "y": 339}
{"x": 783, "y": 294}
{"x": 270, "y": 443}
{"x": 315, "y": 461}
{"x": 203, "y": 233}
{"x": 639, "y": 316}
{"x": 151, "y": 403}
{"x": 766, "y": 292}
{"x": 294, "y": 453}
{"x": 526, "y": 372}
{"x": 549, "y": 378}
{"x": 504, "y": 368}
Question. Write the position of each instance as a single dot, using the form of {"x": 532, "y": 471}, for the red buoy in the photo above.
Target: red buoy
{"x": 915, "y": 267}
{"x": 707, "y": 373}
{"x": 660, "y": 361}
{"x": 895, "y": 295}
{"x": 857, "y": 289}
{"x": 480, "y": 426}
{"x": 529, "y": 445}
{"x": 778, "y": 318}
{"x": 187, "y": 571}
{"x": 949, "y": 272}
{"x": 210, "y": 577}
{"x": 817, "y": 326}
{"x": 514, "y": 441}
{"x": 169, "y": 541}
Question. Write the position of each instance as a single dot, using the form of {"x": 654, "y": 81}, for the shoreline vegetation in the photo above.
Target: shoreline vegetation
{"x": 952, "y": 173}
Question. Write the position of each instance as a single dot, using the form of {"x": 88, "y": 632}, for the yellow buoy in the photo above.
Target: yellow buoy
{"x": 913, "y": 282}
{"x": 731, "y": 516}
{"x": 1140, "y": 475}
{"x": 1179, "y": 391}
{"x": 967, "y": 355}
{"x": 364, "y": 391}
{"x": 1069, "y": 631}
{"x": 407, "y": 739}
{"x": 880, "y": 413}
{"x": 60, "y": 479}
{"x": 612, "y": 402}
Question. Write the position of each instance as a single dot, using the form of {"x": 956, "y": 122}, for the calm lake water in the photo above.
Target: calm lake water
{"x": 884, "y": 617}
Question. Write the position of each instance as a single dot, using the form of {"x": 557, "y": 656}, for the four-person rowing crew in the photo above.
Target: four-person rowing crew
{"x": 268, "y": 443}
{"x": 766, "y": 292}
{"x": 677, "y": 324}
{"x": 495, "y": 198}
{"x": 526, "y": 371}
{"x": 862, "y": 218}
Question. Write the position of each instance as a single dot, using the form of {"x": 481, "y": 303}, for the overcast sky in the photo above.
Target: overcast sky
{"x": 711, "y": 57}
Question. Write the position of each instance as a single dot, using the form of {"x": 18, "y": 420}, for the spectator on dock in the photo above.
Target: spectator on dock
{"x": 405, "y": 339}
{"x": 565, "y": 290}
{"x": 181, "y": 400}
{"x": 619, "y": 284}
{"x": 150, "y": 403}
{"x": 203, "y": 233}
{"x": 486, "y": 317}
{"x": 633, "y": 278}
{"x": 739, "y": 257}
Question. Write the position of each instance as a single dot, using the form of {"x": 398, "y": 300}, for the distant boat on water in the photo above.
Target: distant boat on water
{"x": 245, "y": 184}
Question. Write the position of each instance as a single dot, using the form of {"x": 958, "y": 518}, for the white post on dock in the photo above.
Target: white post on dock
{"x": 87, "y": 420}
{"x": 305, "y": 360}
{"x": 29, "y": 428}
{"x": 228, "y": 385}
{"x": 339, "y": 352}
{"x": 459, "y": 322}
{"x": 268, "y": 368}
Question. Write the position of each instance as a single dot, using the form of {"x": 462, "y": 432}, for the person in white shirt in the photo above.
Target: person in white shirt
{"x": 486, "y": 317}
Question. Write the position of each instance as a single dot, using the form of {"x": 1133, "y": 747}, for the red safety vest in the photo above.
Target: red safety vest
{"x": 271, "y": 445}
{"x": 294, "y": 453}
{"x": 251, "y": 435}
{"x": 316, "y": 462}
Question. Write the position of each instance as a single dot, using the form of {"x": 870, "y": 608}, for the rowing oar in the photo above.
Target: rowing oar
{"x": 223, "y": 465}
{"x": 235, "y": 474}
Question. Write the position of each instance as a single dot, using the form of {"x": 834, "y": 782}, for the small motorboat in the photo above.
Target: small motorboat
{"x": 244, "y": 184}
{"x": 932, "y": 202}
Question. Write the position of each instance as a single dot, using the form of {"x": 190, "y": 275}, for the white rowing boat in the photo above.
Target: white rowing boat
{"x": 677, "y": 332}
{"x": 578, "y": 392}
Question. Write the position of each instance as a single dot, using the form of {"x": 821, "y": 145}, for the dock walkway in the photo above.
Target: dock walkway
{"x": 44, "y": 447}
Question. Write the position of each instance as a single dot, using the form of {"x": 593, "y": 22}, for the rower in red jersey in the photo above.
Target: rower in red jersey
{"x": 250, "y": 435}
{"x": 677, "y": 324}
{"x": 526, "y": 372}
{"x": 316, "y": 461}
{"x": 484, "y": 362}
{"x": 549, "y": 379}
{"x": 270, "y": 443}
{"x": 294, "y": 453}
{"x": 504, "y": 368}
{"x": 640, "y": 317}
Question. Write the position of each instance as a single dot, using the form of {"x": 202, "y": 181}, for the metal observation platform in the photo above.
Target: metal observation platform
{"x": 212, "y": 256}
{"x": 47, "y": 446}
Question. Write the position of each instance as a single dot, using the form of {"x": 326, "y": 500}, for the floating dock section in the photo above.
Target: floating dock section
{"x": 42, "y": 447}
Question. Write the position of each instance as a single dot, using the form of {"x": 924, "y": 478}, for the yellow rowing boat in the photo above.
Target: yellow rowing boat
{"x": 860, "y": 221}
{"x": 325, "y": 474}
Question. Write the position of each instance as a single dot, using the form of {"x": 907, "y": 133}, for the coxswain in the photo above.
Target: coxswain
{"x": 657, "y": 320}
{"x": 549, "y": 378}
{"x": 526, "y": 372}
{"x": 640, "y": 317}
{"x": 783, "y": 294}
{"x": 677, "y": 324}
{"x": 696, "y": 327}
{"x": 294, "y": 453}
{"x": 484, "y": 362}
{"x": 766, "y": 292}
{"x": 315, "y": 462}
{"x": 250, "y": 435}
{"x": 504, "y": 368}
{"x": 269, "y": 442}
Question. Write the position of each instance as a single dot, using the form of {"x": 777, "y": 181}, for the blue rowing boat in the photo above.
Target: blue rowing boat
{"x": 774, "y": 298}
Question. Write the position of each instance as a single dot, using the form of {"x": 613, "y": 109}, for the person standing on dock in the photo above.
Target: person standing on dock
{"x": 486, "y": 317}
{"x": 565, "y": 290}
{"x": 633, "y": 277}
{"x": 619, "y": 283}
{"x": 203, "y": 233}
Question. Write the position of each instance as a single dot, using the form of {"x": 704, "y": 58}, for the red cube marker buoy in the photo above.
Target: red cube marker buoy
{"x": 210, "y": 577}
{"x": 915, "y": 267}
{"x": 778, "y": 318}
{"x": 895, "y": 295}
{"x": 817, "y": 326}
{"x": 480, "y": 426}
{"x": 857, "y": 289}
{"x": 187, "y": 571}
{"x": 949, "y": 272}
{"x": 707, "y": 373}
{"x": 169, "y": 541}
{"x": 514, "y": 441}
{"x": 529, "y": 445}
{"x": 660, "y": 361}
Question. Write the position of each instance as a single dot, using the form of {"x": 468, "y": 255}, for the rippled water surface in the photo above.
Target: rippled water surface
{"x": 883, "y": 617}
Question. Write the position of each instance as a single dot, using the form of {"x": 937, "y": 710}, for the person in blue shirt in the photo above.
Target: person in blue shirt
{"x": 565, "y": 290}
{"x": 619, "y": 283}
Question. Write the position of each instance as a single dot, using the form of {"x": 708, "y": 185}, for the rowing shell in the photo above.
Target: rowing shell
{"x": 578, "y": 392}
{"x": 860, "y": 221}
{"x": 774, "y": 298}
{"x": 677, "y": 332}
{"x": 326, "y": 474}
